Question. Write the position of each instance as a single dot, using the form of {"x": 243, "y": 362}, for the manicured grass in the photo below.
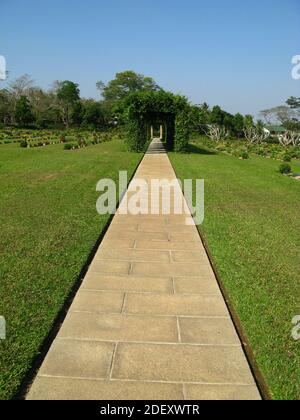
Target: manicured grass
{"x": 49, "y": 225}
{"x": 252, "y": 227}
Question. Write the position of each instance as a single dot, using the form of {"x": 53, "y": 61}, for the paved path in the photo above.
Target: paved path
{"x": 149, "y": 321}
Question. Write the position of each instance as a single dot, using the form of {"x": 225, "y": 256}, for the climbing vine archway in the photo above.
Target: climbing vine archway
{"x": 144, "y": 110}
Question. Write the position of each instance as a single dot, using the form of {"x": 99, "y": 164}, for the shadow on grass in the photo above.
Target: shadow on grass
{"x": 192, "y": 148}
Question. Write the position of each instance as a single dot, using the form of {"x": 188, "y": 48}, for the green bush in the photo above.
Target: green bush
{"x": 286, "y": 158}
{"x": 285, "y": 168}
{"x": 244, "y": 155}
{"x": 296, "y": 154}
{"x": 23, "y": 143}
{"x": 68, "y": 146}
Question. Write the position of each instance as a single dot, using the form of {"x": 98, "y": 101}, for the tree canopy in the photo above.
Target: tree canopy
{"x": 124, "y": 84}
{"x": 24, "y": 115}
{"x": 293, "y": 102}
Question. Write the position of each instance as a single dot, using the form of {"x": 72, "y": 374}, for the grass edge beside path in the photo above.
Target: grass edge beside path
{"x": 49, "y": 227}
{"x": 253, "y": 237}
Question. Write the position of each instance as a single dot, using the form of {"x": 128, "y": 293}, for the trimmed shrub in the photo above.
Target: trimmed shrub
{"x": 182, "y": 123}
{"x": 23, "y": 143}
{"x": 285, "y": 168}
{"x": 244, "y": 155}
{"x": 286, "y": 158}
{"x": 136, "y": 135}
{"x": 68, "y": 146}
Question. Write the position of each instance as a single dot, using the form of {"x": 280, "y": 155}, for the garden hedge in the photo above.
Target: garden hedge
{"x": 143, "y": 109}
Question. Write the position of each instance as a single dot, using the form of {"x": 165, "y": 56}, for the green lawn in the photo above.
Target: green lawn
{"x": 252, "y": 227}
{"x": 49, "y": 226}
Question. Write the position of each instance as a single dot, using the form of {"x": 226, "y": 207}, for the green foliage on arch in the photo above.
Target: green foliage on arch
{"x": 143, "y": 108}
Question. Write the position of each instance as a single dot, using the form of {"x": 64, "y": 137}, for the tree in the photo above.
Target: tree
{"x": 17, "y": 88}
{"x": 217, "y": 133}
{"x": 250, "y": 134}
{"x": 293, "y": 102}
{"x": 255, "y": 134}
{"x": 124, "y": 84}
{"x": 76, "y": 114}
{"x": 199, "y": 116}
{"x": 216, "y": 115}
{"x": 281, "y": 114}
{"x": 248, "y": 121}
{"x": 289, "y": 137}
{"x": 238, "y": 124}
{"x": 23, "y": 114}
{"x": 67, "y": 94}
{"x": 44, "y": 107}
{"x": 93, "y": 114}
{"x": 268, "y": 115}
{"x": 228, "y": 122}
{"x": 260, "y": 125}
{"x": 20, "y": 86}
{"x": 6, "y": 107}
{"x": 100, "y": 86}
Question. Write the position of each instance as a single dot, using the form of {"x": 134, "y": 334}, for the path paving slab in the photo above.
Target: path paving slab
{"x": 119, "y": 327}
{"x": 52, "y": 388}
{"x": 204, "y": 284}
{"x": 221, "y": 392}
{"x": 128, "y": 283}
{"x": 173, "y": 269}
{"x": 133, "y": 255}
{"x": 181, "y": 363}
{"x": 79, "y": 359}
{"x": 98, "y": 301}
{"x": 163, "y": 304}
{"x": 167, "y": 245}
{"x": 210, "y": 331}
{"x": 149, "y": 321}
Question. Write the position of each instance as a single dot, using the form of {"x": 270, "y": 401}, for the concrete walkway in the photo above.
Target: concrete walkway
{"x": 149, "y": 321}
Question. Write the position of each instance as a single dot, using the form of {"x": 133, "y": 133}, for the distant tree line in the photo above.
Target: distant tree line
{"x": 24, "y": 104}
{"x": 203, "y": 116}
{"x": 288, "y": 116}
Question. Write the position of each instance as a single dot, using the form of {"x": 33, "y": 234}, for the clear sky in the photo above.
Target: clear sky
{"x": 229, "y": 52}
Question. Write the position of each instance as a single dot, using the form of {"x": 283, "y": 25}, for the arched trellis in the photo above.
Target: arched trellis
{"x": 145, "y": 109}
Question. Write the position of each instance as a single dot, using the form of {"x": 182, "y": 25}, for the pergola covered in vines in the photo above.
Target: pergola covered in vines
{"x": 145, "y": 111}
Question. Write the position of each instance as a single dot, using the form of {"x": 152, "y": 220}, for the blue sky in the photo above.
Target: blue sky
{"x": 233, "y": 53}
